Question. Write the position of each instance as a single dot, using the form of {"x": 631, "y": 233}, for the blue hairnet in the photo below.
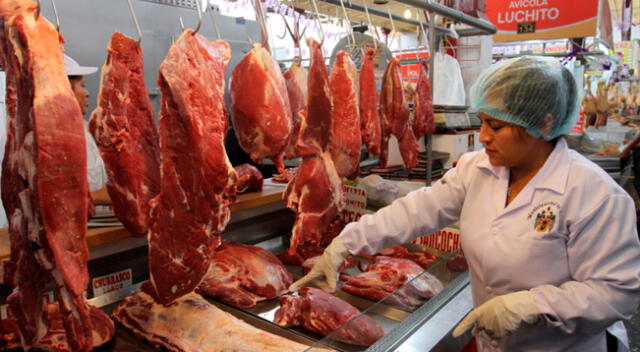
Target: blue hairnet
{"x": 537, "y": 93}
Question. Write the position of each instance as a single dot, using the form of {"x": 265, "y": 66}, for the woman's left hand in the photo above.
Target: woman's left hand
{"x": 501, "y": 315}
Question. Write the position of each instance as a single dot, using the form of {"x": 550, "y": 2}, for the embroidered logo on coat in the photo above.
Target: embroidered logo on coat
{"x": 545, "y": 220}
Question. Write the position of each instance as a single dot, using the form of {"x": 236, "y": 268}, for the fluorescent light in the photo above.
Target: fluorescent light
{"x": 407, "y": 13}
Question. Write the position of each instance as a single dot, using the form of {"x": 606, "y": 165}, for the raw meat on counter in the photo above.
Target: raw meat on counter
{"x": 422, "y": 258}
{"x": 249, "y": 178}
{"x": 387, "y": 274}
{"x": 296, "y": 80}
{"x": 303, "y": 251}
{"x": 323, "y": 313}
{"x": 310, "y": 262}
{"x": 423, "y": 119}
{"x": 369, "y": 118}
{"x": 394, "y": 114}
{"x": 44, "y": 180}
{"x": 192, "y": 324}
{"x": 315, "y": 126}
{"x": 260, "y": 109}
{"x": 285, "y": 177}
{"x": 243, "y": 275}
{"x": 197, "y": 180}
{"x": 316, "y": 196}
{"x": 124, "y": 128}
{"x": 345, "y": 117}
{"x": 56, "y": 337}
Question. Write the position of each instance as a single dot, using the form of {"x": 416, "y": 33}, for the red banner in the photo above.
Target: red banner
{"x": 519, "y": 20}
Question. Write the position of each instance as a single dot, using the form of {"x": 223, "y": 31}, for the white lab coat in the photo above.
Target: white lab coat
{"x": 583, "y": 269}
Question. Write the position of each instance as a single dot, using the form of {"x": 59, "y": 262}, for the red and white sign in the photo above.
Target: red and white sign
{"x": 519, "y": 20}
{"x": 111, "y": 282}
{"x": 355, "y": 203}
{"x": 442, "y": 242}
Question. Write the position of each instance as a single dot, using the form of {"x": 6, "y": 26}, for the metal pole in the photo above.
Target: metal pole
{"x": 433, "y": 7}
{"x": 379, "y": 13}
{"x": 428, "y": 139}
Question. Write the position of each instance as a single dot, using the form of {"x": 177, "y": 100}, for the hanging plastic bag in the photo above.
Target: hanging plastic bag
{"x": 448, "y": 84}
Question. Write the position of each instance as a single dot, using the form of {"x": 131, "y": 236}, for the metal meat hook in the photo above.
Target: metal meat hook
{"x": 135, "y": 21}
{"x": 199, "y": 19}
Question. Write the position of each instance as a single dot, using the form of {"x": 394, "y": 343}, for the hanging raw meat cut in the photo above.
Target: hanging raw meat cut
{"x": 369, "y": 118}
{"x": 124, "y": 128}
{"x": 193, "y": 324}
{"x": 423, "y": 120}
{"x": 243, "y": 275}
{"x": 56, "y": 337}
{"x": 387, "y": 274}
{"x": 260, "y": 109}
{"x": 316, "y": 196}
{"x": 315, "y": 126}
{"x": 345, "y": 117}
{"x": 323, "y": 313}
{"x": 249, "y": 178}
{"x": 44, "y": 180}
{"x": 296, "y": 80}
{"x": 394, "y": 113}
{"x": 197, "y": 181}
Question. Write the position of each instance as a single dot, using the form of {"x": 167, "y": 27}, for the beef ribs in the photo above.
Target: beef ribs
{"x": 243, "y": 275}
{"x": 324, "y": 313}
{"x": 124, "y": 128}
{"x": 197, "y": 180}
{"x": 345, "y": 117}
{"x": 44, "y": 180}
{"x": 192, "y": 324}
{"x": 260, "y": 109}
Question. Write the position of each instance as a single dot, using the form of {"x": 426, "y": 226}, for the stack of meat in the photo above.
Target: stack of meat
{"x": 386, "y": 275}
{"x": 324, "y": 313}
{"x": 422, "y": 258}
{"x": 44, "y": 187}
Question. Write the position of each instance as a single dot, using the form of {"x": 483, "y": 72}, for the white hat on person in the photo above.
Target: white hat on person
{"x": 73, "y": 68}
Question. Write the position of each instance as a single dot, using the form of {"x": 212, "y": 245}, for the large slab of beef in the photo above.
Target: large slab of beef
{"x": 193, "y": 324}
{"x": 243, "y": 275}
{"x": 315, "y": 195}
{"x": 44, "y": 180}
{"x": 260, "y": 109}
{"x": 56, "y": 337}
{"x": 324, "y": 313}
{"x": 369, "y": 118}
{"x": 345, "y": 117}
{"x": 423, "y": 119}
{"x": 394, "y": 114}
{"x": 315, "y": 126}
{"x": 296, "y": 80}
{"x": 124, "y": 128}
{"x": 387, "y": 274}
{"x": 197, "y": 180}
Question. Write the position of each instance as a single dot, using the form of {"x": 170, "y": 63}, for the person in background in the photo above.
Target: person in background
{"x": 96, "y": 173}
{"x": 550, "y": 238}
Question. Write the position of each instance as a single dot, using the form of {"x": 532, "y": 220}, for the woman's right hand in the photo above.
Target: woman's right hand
{"x": 324, "y": 273}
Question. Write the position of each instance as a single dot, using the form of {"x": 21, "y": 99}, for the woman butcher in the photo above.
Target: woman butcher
{"x": 550, "y": 238}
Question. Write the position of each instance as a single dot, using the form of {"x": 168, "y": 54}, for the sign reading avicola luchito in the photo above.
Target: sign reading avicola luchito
{"x": 518, "y": 20}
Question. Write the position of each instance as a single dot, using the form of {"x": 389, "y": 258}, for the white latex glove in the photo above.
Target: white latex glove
{"x": 501, "y": 315}
{"x": 324, "y": 273}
